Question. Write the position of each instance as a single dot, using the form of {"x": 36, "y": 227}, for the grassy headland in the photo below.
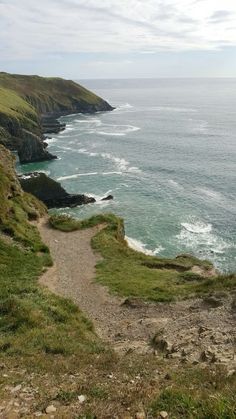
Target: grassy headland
{"x": 130, "y": 273}
{"x": 23, "y": 100}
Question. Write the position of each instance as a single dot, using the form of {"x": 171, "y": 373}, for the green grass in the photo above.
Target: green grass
{"x": 31, "y": 319}
{"x": 198, "y": 394}
{"x": 44, "y": 94}
{"x": 16, "y": 113}
{"x": 183, "y": 405}
{"x": 130, "y": 273}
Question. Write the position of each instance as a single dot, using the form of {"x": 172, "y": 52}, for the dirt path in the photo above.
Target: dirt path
{"x": 194, "y": 331}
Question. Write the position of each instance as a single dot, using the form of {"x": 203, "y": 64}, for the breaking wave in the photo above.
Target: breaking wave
{"x": 142, "y": 247}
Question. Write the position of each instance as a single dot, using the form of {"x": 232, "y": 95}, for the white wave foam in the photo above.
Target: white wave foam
{"x": 142, "y": 247}
{"x": 89, "y": 122}
{"x": 114, "y": 130}
{"x": 76, "y": 175}
{"x": 121, "y": 163}
{"x": 99, "y": 198}
{"x": 113, "y": 134}
{"x": 197, "y": 227}
{"x": 111, "y": 173}
{"x": 51, "y": 140}
{"x": 200, "y": 239}
{"x": 175, "y": 184}
{"x": 215, "y": 195}
{"x": 123, "y": 107}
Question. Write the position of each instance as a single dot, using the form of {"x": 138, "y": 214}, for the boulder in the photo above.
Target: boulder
{"x": 107, "y": 198}
{"x": 51, "y": 192}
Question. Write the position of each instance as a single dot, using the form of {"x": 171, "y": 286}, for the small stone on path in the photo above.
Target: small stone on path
{"x": 51, "y": 409}
{"x": 81, "y": 398}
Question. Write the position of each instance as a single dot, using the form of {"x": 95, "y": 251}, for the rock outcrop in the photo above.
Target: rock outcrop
{"x": 51, "y": 192}
{"x": 32, "y": 149}
{"x": 30, "y": 106}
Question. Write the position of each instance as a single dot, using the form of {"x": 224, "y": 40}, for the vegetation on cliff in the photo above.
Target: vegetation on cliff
{"x": 26, "y": 311}
{"x": 23, "y": 100}
{"x": 49, "y": 353}
{"x": 130, "y": 273}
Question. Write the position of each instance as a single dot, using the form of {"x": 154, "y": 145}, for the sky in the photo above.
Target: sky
{"x": 82, "y": 39}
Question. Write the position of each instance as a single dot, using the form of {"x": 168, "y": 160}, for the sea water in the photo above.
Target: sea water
{"x": 167, "y": 154}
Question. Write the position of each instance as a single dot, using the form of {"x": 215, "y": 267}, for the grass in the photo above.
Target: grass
{"x": 198, "y": 394}
{"x": 49, "y": 348}
{"x": 130, "y": 273}
{"x": 15, "y": 113}
{"x": 42, "y": 94}
{"x": 24, "y": 98}
{"x": 32, "y": 320}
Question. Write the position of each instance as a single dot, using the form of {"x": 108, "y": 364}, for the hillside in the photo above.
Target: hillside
{"x": 24, "y": 100}
{"x": 51, "y": 360}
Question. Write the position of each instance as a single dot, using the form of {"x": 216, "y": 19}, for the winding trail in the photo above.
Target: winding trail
{"x": 130, "y": 327}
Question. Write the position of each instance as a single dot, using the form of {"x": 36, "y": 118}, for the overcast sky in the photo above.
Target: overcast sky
{"x": 119, "y": 38}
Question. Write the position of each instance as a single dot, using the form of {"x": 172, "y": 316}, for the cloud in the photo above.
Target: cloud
{"x": 221, "y": 16}
{"x": 30, "y": 30}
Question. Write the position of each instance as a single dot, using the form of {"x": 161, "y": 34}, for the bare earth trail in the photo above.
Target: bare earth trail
{"x": 193, "y": 330}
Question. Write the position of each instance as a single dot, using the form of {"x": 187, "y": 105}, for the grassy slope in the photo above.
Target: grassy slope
{"x": 15, "y": 113}
{"x": 49, "y": 348}
{"x": 47, "y": 93}
{"x": 31, "y": 319}
{"x": 130, "y": 273}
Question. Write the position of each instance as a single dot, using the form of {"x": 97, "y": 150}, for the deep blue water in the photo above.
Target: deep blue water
{"x": 167, "y": 154}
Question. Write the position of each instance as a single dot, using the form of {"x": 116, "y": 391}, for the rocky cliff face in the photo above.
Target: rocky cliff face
{"x": 26, "y": 102}
{"x": 51, "y": 192}
{"x": 16, "y": 206}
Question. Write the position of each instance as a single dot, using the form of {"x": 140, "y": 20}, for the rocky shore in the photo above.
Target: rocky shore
{"x": 51, "y": 193}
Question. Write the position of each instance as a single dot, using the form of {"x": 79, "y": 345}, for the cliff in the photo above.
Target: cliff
{"x": 26, "y": 102}
{"x": 51, "y": 192}
{"x": 17, "y": 208}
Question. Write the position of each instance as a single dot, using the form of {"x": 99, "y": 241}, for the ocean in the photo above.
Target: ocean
{"x": 167, "y": 154}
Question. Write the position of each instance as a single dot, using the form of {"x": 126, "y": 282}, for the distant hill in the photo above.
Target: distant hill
{"x": 24, "y": 100}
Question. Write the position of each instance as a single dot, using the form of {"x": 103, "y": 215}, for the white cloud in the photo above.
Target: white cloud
{"x": 30, "y": 30}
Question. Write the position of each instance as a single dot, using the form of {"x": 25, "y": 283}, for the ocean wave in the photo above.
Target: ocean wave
{"x": 90, "y": 121}
{"x": 51, "y": 140}
{"x": 142, "y": 247}
{"x": 201, "y": 239}
{"x": 122, "y": 164}
{"x": 210, "y": 193}
{"x": 197, "y": 228}
{"x": 99, "y": 198}
{"x": 76, "y": 175}
{"x": 123, "y": 107}
{"x": 175, "y": 184}
{"x": 114, "y": 130}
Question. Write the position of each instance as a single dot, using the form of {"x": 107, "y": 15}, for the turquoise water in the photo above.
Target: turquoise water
{"x": 167, "y": 154}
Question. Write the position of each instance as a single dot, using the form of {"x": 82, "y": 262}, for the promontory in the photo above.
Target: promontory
{"x": 30, "y": 106}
